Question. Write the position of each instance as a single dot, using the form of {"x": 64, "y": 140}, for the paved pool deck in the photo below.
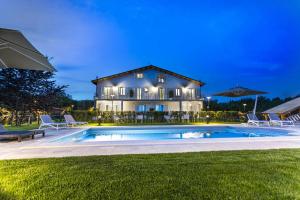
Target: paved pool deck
{"x": 45, "y": 147}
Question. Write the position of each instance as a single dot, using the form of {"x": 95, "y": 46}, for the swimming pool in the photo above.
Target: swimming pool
{"x": 171, "y": 133}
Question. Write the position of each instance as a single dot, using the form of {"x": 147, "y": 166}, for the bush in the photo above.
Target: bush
{"x": 84, "y": 115}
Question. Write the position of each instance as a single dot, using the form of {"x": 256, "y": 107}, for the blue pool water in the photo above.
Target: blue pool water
{"x": 171, "y": 133}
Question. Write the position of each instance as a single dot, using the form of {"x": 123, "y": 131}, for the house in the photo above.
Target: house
{"x": 148, "y": 88}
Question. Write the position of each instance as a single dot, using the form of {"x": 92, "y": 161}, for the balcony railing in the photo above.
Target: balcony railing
{"x": 132, "y": 94}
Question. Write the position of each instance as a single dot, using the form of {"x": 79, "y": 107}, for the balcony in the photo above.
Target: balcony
{"x": 140, "y": 94}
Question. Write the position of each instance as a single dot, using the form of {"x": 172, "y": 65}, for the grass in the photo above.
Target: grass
{"x": 272, "y": 174}
{"x": 23, "y": 127}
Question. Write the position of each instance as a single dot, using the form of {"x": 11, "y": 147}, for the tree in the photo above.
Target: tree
{"x": 30, "y": 91}
{"x": 264, "y": 103}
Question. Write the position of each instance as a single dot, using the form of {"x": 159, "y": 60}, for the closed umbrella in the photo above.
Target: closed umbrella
{"x": 17, "y": 52}
{"x": 240, "y": 92}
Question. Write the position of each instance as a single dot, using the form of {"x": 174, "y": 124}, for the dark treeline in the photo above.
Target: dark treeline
{"x": 264, "y": 103}
{"x": 24, "y": 94}
{"x": 82, "y": 104}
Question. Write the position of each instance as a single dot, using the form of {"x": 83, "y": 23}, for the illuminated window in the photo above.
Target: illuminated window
{"x": 139, "y": 75}
{"x": 161, "y": 93}
{"x": 161, "y": 78}
{"x": 192, "y": 92}
{"x": 178, "y": 92}
{"x": 159, "y": 108}
{"x": 141, "y": 108}
{"x": 139, "y": 93}
{"x": 122, "y": 91}
{"x": 107, "y": 91}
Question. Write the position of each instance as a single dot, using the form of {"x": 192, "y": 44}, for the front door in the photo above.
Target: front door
{"x": 161, "y": 93}
{"x": 139, "y": 93}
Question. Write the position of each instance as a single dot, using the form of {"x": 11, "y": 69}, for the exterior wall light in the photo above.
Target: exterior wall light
{"x": 154, "y": 89}
{"x": 115, "y": 88}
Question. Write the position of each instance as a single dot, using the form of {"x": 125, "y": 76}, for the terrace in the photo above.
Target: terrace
{"x": 128, "y": 93}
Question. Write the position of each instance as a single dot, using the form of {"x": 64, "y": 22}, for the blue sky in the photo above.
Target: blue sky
{"x": 224, "y": 43}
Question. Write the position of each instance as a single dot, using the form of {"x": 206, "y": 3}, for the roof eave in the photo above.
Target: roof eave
{"x": 200, "y": 83}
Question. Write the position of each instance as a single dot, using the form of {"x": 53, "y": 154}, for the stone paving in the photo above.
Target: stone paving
{"x": 45, "y": 147}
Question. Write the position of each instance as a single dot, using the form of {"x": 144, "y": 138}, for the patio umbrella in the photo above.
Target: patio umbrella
{"x": 17, "y": 52}
{"x": 240, "y": 92}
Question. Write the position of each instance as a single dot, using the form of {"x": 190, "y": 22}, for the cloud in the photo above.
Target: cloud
{"x": 60, "y": 29}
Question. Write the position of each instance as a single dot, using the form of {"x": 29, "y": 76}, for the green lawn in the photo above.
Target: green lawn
{"x": 273, "y": 174}
{"x": 22, "y": 127}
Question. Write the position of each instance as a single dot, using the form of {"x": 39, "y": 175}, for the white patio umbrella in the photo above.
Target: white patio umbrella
{"x": 17, "y": 52}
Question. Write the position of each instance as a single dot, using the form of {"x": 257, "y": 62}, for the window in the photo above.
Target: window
{"x": 159, "y": 108}
{"x": 139, "y": 75}
{"x": 192, "y": 92}
{"x": 107, "y": 91}
{"x": 122, "y": 91}
{"x": 141, "y": 108}
{"x": 161, "y": 93}
{"x": 139, "y": 93}
{"x": 178, "y": 92}
{"x": 171, "y": 94}
{"x": 161, "y": 78}
{"x": 146, "y": 90}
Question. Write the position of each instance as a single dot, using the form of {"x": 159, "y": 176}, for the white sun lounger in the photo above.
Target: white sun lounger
{"x": 294, "y": 118}
{"x": 275, "y": 120}
{"x": 46, "y": 121}
{"x": 116, "y": 118}
{"x": 253, "y": 120}
{"x": 168, "y": 118}
{"x": 71, "y": 121}
{"x": 186, "y": 117}
{"x": 2, "y": 129}
{"x": 140, "y": 118}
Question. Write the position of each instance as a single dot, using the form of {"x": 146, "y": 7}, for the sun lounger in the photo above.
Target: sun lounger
{"x": 294, "y": 118}
{"x": 5, "y": 134}
{"x": 168, "y": 118}
{"x": 253, "y": 120}
{"x": 2, "y": 129}
{"x": 275, "y": 120}
{"x": 140, "y": 118}
{"x": 46, "y": 121}
{"x": 116, "y": 118}
{"x": 186, "y": 117}
{"x": 71, "y": 121}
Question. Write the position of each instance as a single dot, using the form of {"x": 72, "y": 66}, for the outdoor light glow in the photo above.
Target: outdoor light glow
{"x": 154, "y": 89}
{"x": 115, "y": 88}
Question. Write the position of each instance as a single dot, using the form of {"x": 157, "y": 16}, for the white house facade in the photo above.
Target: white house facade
{"x": 148, "y": 88}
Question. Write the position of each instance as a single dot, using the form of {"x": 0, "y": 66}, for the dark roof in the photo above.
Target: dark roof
{"x": 149, "y": 67}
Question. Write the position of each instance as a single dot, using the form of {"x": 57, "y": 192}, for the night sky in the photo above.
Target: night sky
{"x": 224, "y": 43}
